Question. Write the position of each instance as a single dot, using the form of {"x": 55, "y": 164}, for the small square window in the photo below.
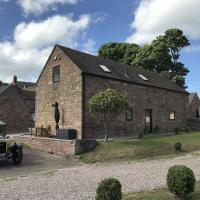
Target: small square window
{"x": 172, "y": 115}
{"x": 56, "y": 74}
{"x": 129, "y": 114}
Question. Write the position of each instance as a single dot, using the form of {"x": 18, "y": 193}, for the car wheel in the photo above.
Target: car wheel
{"x": 17, "y": 157}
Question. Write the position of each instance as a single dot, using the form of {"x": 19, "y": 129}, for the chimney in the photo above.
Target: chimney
{"x": 14, "y": 80}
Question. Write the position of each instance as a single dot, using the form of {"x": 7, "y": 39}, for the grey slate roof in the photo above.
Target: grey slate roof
{"x": 26, "y": 95}
{"x": 90, "y": 64}
{"x": 22, "y": 84}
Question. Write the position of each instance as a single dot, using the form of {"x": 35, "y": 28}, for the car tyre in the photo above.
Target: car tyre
{"x": 17, "y": 156}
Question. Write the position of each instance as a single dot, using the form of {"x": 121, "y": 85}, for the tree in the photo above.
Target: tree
{"x": 120, "y": 52}
{"x": 153, "y": 57}
{"x": 2, "y": 83}
{"x": 175, "y": 41}
{"x": 105, "y": 105}
{"x": 161, "y": 56}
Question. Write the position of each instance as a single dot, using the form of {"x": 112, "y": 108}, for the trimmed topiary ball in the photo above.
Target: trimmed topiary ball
{"x": 178, "y": 146}
{"x": 109, "y": 189}
{"x": 180, "y": 180}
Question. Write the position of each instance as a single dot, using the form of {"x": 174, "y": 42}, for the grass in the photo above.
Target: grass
{"x": 148, "y": 147}
{"x": 7, "y": 178}
{"x": 160, "y": 194}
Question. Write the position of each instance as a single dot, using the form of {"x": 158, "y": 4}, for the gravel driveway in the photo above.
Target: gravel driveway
{"x": 79, "y": 183}
{"x": 35, "y": 162}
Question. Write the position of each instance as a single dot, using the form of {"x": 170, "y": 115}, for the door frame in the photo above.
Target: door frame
{"x": 149, "y": 124}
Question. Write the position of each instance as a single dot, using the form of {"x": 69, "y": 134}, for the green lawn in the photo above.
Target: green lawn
{"x": 160, "y": 194}
{"x": 148, "y": 147}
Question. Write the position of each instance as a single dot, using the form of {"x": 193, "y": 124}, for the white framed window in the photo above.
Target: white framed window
{"x": 172, "y": 115}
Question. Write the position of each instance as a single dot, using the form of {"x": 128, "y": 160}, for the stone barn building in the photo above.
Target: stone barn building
{"x": 194, "y": 106}
{"x": 194, "y": 112}
{"x": 17, "y": 105}
{"x": 70, "y": 78}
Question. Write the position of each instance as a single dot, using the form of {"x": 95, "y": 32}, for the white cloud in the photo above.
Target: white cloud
{"x": 53, "y": 30}
{"x": 39, "y": 6}
{"x": 153, "y": 17}
{"x": 33, "y": 42}
{"x": 89, "y": 47}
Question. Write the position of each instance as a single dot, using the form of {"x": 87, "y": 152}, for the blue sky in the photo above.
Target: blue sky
{"x": 29, "y": 29}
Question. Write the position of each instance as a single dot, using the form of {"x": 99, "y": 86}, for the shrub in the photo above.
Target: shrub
{"x": 105, "y": 106}
{"x": 176, "y": 130}
{"x": 178, "y": 146}
{"x": 109, "y": 189}
{"x": 180, "y": 180}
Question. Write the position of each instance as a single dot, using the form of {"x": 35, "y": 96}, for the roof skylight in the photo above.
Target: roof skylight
{"x": 104, "y": 68}
{"x": 143, "y": 77}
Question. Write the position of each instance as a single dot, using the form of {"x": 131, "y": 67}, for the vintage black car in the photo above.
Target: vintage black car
{"x": 10, "y": 150}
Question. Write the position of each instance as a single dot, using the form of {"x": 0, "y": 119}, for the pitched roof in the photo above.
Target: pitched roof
{"x": 25, "y": 94}
{"x": 90, "y": 64}
{"x": 22, "y": 84}
{"x": 192, "y": 96}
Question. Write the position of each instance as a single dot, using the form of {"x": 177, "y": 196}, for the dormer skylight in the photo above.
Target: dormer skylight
{"x": 143, "y": 77}
{"x": 104, "y": 68}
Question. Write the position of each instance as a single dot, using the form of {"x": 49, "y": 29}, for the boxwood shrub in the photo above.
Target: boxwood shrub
{"x": 178, "y": 146}
{"x": 109, "y": 189}
{"x": 180, "y": 180}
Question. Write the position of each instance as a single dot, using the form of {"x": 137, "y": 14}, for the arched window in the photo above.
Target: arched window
{"x": 172, "y": 115}
{"x": 56, "y": 74}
